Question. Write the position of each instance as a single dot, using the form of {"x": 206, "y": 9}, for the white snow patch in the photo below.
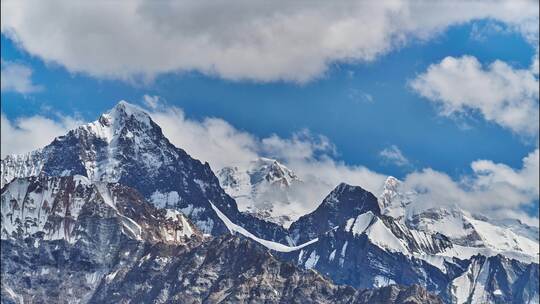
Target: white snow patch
{"x": 332, "y": 255}
{"x": 312, "y": 260}
{"x": 111, "y": 276}
{"x": 381, "y": 236}
{"x": 164, "y": 200}
{"x": 382, "y": 281}
{"x": 362, "y": 222}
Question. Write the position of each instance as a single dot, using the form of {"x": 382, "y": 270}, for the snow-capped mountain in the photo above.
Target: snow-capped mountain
{"x": 124, "y": 210}
{"x": 125, "y": 145}
{"x": 342, "y": 203}
{"x": 265, "y": 189}
{"x": 367, "y": 249}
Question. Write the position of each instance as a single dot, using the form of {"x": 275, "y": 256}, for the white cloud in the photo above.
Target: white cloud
{"x": 359, "y": 96}
{"x": 17, "y": 78}
{"x": 257, "y": 40}
{"x": 152, "y": 101}
{"x": 500, "y": 93}
{"x": 212, "y": 139}
{"x": 394, "y": 155}
{"x": 492, "y": 189}
{"x": 29, "y": 133}
{"x": 535, "y": 67}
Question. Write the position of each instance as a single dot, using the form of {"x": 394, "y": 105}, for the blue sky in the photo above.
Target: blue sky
{"x": 334, "y": 106}
{"x": 362, "y": 106}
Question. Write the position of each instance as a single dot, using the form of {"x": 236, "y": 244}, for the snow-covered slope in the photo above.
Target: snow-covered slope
{"x": 472, "y": 235}
{"x": 265, "y": 189}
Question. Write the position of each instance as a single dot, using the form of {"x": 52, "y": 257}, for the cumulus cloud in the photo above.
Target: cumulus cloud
{"x": 17, "y": 78}
{"x": 394, "y": 156}
{"x": 492, "y": 189}
{"x": 500, "y": 93}
{"x": 29, "y": 133}
{"x": 221, "y": 144}
{"x": 256, "y": 40}
{"x": 211, "y": 139}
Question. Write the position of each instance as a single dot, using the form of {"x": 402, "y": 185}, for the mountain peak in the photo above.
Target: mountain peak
{"x": 391, "y": 183}
{"x": 344, "y": 202}
{"x": 393, "y": 201}
{"x": 124, "y": 119}
{"x": 264, "y": 188}
{"x": 128, "y": 108}
{"x": 346, "y": 191}
{"x": 270, "y": 170}
{"x": 122, "y": 112}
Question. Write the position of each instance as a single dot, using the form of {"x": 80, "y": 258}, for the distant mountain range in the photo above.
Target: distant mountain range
{"x": 112, "y": 211}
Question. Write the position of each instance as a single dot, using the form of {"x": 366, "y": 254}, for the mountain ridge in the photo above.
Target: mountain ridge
{"x": 386, "y": 235}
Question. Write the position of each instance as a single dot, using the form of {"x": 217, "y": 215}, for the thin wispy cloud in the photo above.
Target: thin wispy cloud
{"x": 16, "y": 77}
{"x": 26, "y": 134}
{"x": 393, "y": 155}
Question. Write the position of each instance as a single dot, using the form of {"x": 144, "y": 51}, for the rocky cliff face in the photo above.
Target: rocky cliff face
{"x": 63, "y": 236}
{"x": 496, "y": 279}
{"x": 72, "y": 208}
